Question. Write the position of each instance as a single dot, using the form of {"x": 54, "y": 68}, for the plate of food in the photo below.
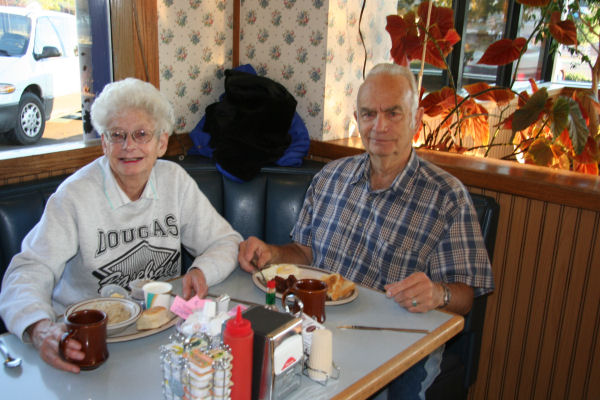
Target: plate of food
{"x": 339, "y": 291}
{"x": 126, "y": 320}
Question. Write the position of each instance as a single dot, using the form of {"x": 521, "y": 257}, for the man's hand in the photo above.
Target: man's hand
{"x": 254, "y": 253}
{"x": 194, "y": 282}
{"x": 45, "y": 336}
{"x": 416, "y": 293}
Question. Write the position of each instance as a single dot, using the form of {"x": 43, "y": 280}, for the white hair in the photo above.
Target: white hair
{"x": 128, "y": 94}
{"x": 397, "y": 70}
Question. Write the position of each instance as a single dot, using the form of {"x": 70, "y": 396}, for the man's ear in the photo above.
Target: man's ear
{"x": 418, "y": 118}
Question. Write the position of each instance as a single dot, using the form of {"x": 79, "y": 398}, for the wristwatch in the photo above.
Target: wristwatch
{"x": 447, "y": 294}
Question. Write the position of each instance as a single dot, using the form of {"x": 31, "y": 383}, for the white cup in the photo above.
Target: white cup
{"x": 157, "y": 294}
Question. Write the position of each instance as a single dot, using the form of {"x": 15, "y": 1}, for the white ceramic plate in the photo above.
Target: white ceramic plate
{"x": 129, "y": 331}
{"x": 102, "y": 303}
{"x": 308, "y": 272}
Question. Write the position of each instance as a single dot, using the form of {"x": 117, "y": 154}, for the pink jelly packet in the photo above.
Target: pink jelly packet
{"x": 184, "y": 308}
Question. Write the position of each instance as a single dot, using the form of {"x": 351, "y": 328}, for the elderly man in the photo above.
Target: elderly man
{"x": 390, "y": 220}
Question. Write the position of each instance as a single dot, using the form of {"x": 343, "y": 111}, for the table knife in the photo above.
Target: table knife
{"x": 379, "y": 328}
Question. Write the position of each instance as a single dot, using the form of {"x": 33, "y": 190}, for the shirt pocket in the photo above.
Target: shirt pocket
{"x": 395, "y": 262}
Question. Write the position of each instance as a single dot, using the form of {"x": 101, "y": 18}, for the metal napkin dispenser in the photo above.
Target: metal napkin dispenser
{"x": 277, "y": 353}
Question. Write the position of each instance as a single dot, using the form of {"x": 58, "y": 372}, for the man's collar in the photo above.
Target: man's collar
{"x": 401, "y": 182}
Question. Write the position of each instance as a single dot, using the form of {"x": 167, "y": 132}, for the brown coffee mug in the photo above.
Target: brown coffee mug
{"x": 88, "y": 327}
{"x": 311, "y": 294}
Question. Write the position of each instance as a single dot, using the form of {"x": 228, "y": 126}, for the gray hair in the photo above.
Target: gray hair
{"x": 132, "y": 93}
{"x": 398, "y": 70}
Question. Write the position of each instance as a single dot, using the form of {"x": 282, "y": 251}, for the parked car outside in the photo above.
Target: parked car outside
{"x": 39, "y": 67}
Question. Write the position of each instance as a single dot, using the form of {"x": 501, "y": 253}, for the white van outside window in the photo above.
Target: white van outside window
{"x": 39, "y": 70}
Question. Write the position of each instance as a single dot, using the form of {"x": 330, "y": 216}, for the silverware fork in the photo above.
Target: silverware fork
{"x": 254, "y": 263}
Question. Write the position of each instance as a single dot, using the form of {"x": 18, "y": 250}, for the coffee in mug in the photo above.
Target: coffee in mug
{"x": 88, "y": 327}
{"x": 311, "y": 294}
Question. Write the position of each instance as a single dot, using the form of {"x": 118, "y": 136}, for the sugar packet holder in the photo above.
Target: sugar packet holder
{"x": 174, "y": 365}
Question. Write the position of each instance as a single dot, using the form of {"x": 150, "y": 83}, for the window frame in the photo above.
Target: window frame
{"x": 504, "y": 73}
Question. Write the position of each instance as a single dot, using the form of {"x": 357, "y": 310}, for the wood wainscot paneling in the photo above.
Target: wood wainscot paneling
{"x": 541, "y": 330}
{"x": 541, "y": 334}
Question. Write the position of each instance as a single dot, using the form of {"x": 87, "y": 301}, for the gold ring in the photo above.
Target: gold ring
{"x": 414, "y": 303}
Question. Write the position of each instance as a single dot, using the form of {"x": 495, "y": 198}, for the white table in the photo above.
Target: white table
{"x": 368, "y": 359}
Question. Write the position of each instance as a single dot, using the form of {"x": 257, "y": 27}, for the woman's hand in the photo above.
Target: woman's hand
{"x": 45, "y": 336}
{"x": 194, "y": 282}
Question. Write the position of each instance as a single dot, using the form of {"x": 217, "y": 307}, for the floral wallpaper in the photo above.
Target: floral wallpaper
{"x": 285, "y": 40}
{"x": 195, "y": 48}
{"x": 312, "y": 47}
{"x": 345, "y": 57}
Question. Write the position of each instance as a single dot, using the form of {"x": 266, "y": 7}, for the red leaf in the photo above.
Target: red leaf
{"x": 503, "y": 51}
{"x": 440, "y": 102}
{"x": 507, "y": 123}
{"x": 563, "y": 31}
{"x": 500, "y": 96}
{"x": 534, "y": 86}
{"x": 397, "y": 29}
{"x": 591, "y": 169}
{"x": 590, "y": 153}
{"x": 523, "y": 98}
{"x": 475, "y": 122}
{"x": 442, "y": 18}
{"x": 441, "y": 35}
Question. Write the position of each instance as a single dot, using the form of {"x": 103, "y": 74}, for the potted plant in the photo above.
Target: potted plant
{"x": 559, "y": 131}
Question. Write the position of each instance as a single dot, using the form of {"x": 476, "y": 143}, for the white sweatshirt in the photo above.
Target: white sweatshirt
{"x": 91, "y": 234}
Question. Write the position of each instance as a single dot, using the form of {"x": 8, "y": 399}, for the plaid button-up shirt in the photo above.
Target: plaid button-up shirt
{"x": 425, "y": 221}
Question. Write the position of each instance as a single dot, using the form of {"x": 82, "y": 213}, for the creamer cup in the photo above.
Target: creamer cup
{"x": 157, "y": 294}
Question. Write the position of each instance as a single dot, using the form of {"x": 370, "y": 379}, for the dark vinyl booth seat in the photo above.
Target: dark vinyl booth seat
{"x": 461, "y": 356}
{"x": 266, "y": 207}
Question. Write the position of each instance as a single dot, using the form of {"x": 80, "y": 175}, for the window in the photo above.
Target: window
{"x": 48, "y": 74}
{"x": 482, "y": 22}
{"x": 45, "y": 35}
{"x": 485, "y": 25}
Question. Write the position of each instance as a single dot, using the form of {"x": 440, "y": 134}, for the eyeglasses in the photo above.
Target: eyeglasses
{"x": 139, "y": 136}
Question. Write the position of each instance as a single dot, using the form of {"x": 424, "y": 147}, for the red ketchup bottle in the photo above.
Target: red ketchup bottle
{"x": 239, "y": 336}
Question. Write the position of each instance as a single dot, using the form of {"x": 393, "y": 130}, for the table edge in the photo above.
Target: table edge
{"x": 385, "y": 373}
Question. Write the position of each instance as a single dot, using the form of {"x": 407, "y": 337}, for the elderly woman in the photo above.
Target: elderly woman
{"x": 122, "y": 217}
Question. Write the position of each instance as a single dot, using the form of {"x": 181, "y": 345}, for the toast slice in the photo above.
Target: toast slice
{"x": 338, "y": 287}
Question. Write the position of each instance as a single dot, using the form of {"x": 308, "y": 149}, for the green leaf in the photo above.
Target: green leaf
{"x": 541, "y": 153}
{"x": 560, "y": 115}
{"x": 578, "y": 130}
{"x": 530, "y": 112}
